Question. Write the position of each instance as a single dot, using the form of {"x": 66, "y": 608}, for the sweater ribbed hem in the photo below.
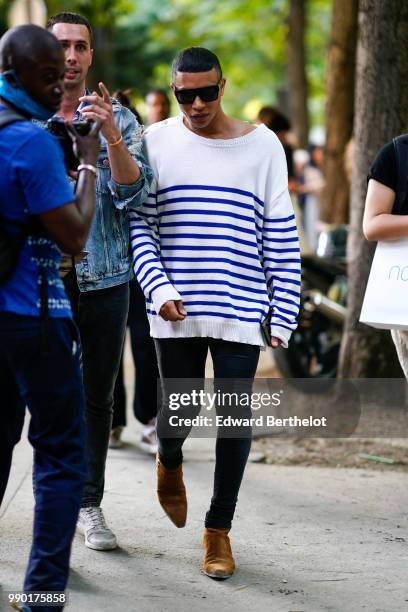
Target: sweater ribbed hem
{"x": 206, "y": 328}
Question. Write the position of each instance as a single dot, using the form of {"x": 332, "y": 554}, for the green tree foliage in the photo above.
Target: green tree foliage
{"x": 249, "y": 37}
{"x": 136, "y": 40}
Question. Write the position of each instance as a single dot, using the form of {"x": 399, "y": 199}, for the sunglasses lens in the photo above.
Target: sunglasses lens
{"x": 209, "y": 94}
{"x": 206, "y": 94}
{"x": 185, "y": 96}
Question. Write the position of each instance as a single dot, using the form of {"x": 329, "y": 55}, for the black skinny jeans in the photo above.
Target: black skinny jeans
{"x": 101, "y": 317}
{"x": 185, "y": 358}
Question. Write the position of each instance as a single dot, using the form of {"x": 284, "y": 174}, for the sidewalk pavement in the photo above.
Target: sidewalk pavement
{"x": 305, "y": 539}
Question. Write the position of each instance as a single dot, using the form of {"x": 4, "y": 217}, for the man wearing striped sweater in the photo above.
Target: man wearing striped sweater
{"x": 215, "y": 250}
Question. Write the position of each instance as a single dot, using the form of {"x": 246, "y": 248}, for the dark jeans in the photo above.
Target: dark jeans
{"x": 145, "y": 360}
{"x": 101, "y": 317}
{"x": 185, "y": 358}
{"x": 45, "y": 377}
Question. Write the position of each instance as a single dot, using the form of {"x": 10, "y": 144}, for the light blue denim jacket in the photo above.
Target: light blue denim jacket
{"x": 108, "y": 261}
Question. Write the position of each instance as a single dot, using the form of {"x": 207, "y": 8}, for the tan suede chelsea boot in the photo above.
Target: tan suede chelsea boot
{"x": 218, "y": 560}
{"x": 172, "y": 493}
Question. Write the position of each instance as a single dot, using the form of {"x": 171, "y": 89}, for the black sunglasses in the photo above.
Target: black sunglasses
{"x": 206, "y": 94}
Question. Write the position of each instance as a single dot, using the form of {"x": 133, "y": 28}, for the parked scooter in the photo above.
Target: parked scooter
{"x": 314, "y": 347}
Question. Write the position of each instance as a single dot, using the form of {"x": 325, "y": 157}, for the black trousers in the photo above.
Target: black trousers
{"x": 185, "y": 358}
{"x": 101, "y": 317}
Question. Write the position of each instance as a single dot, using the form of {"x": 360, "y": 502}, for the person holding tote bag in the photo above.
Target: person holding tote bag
{"x": 386, "y": 211}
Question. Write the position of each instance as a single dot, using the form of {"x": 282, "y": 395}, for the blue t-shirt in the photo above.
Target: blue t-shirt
{"x": 33, "y": 181}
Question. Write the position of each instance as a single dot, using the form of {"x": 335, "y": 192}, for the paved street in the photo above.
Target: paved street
{"x": 305, "y": 539}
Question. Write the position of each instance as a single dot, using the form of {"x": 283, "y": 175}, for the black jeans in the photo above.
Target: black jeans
{"x": 101, "y": 317}
{"x": 145, "y": 360}
{"x": 46, "y": 378}
{"x": 185, "y": 358}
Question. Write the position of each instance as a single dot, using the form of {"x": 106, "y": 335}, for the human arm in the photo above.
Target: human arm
{"x": 149, "y": 271}
{"x": 378, "y": 222}
{"x": 67, "y": 218}
{"x": 281, "y": 253}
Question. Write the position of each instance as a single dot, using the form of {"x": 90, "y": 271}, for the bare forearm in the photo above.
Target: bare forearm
{"x": 386, "y": 227}
{"x": 85, "y": 201}
{"x": 124, "y": 169}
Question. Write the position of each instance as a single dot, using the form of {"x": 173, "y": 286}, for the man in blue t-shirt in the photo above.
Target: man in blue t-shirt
{"x": 39, "y": 360}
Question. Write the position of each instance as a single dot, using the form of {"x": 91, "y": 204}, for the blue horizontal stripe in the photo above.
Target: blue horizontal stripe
{"x": 282, "y": 230}
{"x": 143, "y": 244}
{"x": 214, "y": 271}
{"x": 222, "y": 305}
{"x": 289, "y": 312}
{"x": 281, "y": 260}
{"x": 290, "y": 291}
{"x": 211, "y": 188}
{"x": 152, "y": 281}
{"x": 238, "y": 264}
{"x": 272, "y": 240}
{"x": 286, "y": 270}
{"x": 143, "y": 234}
{"x": 278, "y": 316}
{"x": 145, "y": 263}
{"x": 279, "y": 219}
{"x": 207, "y": 237}
{"x": 217, "y": 213}
{"x": 209, "y": 281}
{"x": 285, "y": 301}
{"x": 144, "y": 251}
{"x": 281, "y": 325}
{"x": 226, "y": 294}
{"x": 180, "y": 247}
{"x": 270, "y": 250}
{"x": 207, "y": 201}
{"x": 141, "y": 280}
{"x": 285, "y": 281}
{"x": 146, "y": 215}
{"x": 236, "y": 228}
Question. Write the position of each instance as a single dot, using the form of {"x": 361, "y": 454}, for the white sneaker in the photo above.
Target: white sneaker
{"x": 91, "y": 523}
{"x": 149, "y": 437}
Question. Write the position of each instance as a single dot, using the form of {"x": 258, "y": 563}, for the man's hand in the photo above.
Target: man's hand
{"x": 86, "y": 148}
{"x": 275, "y": 342}
{"x": 173, "y": 310}
{"x": 100, "y": 108}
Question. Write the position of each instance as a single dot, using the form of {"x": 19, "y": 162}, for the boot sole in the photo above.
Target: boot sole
{"x": 216, "y": 576}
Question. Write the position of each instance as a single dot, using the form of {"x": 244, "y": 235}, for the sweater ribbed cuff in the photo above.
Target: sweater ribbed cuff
{"x": 163, "y": 294}
{"x": 281, "y": 333}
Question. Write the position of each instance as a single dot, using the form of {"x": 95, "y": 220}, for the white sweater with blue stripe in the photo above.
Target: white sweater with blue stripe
{"x": 217, "y": 231}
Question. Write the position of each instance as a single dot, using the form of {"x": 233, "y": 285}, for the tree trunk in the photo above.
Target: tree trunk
{"x": 381, "y": 112}
{"x": 334, "y": 206}
{"x": 297, "y": 71}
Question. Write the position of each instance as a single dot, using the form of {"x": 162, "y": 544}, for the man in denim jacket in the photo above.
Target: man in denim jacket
{"x": 98, "y": 287}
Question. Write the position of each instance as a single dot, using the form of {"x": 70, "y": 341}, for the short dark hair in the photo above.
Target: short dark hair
{"x": 196, "y": 59}
{"x": 70, "y": 18}
{"x": 274, "y": 119}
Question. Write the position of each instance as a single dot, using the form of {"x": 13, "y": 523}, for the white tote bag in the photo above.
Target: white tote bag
{"x": 385, "y": 303}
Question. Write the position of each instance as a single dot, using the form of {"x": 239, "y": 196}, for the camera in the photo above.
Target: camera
{"x": 57, "y": 128}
